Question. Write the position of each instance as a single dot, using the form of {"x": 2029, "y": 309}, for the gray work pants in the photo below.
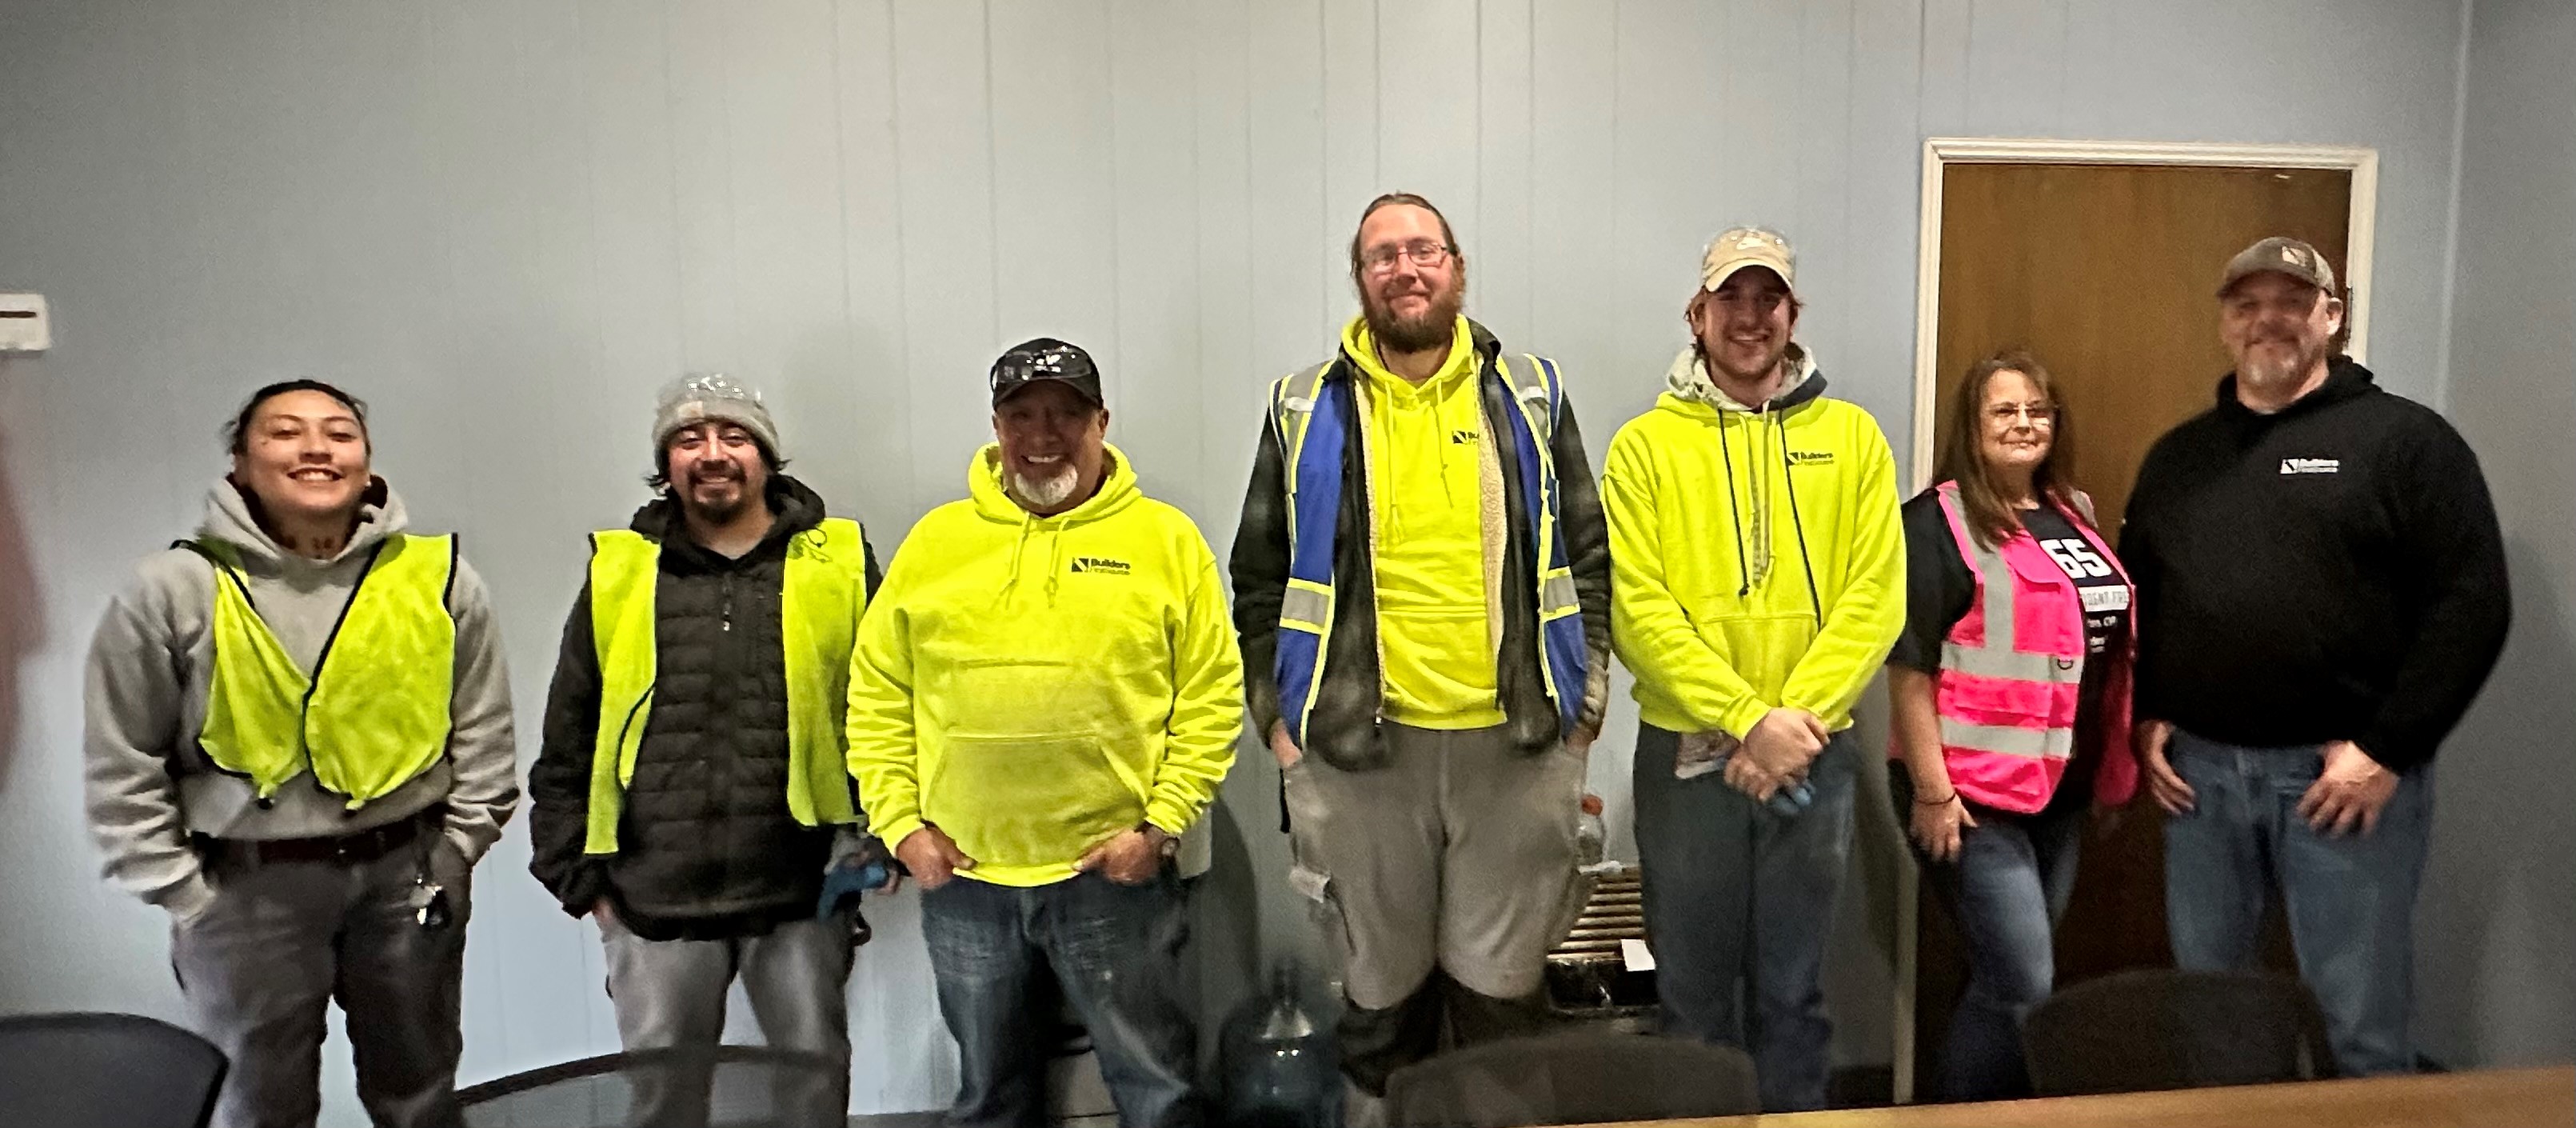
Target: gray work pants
{"x": 1457, "y": 856}
{"x": 282, "y": 940}
{"x": 670, "y": 994}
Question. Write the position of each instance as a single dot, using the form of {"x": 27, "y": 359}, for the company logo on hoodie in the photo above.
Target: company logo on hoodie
{"x": 1101, "y": 564}
{"x": 2311, "y": 465}
{"x": 1811, "y": 457}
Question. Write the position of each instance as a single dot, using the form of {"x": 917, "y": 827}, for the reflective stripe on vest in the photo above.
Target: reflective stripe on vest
{"x": 2001, "y": 695}
{"x": 1314, "y": 416}
{"x": 374, "y": 713}
{"x": 824, "y": 592}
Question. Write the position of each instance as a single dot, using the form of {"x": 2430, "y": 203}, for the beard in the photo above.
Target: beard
{"x": 715, "y": 512}
{"x": 1045, "y": 493}
{"x": 2266, "y": 366}
{"x": 1432, "y": 329}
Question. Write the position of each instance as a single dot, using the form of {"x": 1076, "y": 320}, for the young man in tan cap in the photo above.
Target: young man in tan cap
{"x": 1757, "y": 582}
{"x": 692, "y": 784}
{"x": 2322, "y": 591}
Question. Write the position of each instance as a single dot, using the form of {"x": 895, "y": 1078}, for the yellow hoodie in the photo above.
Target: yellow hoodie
{"x": 1037, "y": 685}
{"x": 1429, "y": 460}
{"x": 1721, "y": 516}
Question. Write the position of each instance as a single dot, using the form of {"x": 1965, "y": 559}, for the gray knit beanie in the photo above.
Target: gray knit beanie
{"x": 700, "y": 396}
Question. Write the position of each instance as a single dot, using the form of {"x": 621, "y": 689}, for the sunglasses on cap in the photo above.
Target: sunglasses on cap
{"x": 1045, "y": 359}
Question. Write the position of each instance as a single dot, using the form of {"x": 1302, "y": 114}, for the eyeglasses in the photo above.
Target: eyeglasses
{"x": 1060, "y": 362}
{"x": 1423, "y": 254}
{"x": 2039, "y": 414}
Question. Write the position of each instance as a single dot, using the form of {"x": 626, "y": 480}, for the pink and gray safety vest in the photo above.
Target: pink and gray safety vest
{"x": 2010, "y": 671}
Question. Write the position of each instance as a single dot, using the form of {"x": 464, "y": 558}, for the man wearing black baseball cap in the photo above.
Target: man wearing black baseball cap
{"x": 2322, "y": 592}
{"x": 1046, "y": 468}
{"x": 1045, "y": 696}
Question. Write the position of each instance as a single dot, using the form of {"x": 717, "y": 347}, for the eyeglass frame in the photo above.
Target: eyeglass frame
{"x": 1423, "y": 253}
{"x": 2042, "y": 415}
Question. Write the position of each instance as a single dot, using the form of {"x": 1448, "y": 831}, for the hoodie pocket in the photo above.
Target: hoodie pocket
{"x": 1028, "y": 800}
{"x": 1762, "y": 646}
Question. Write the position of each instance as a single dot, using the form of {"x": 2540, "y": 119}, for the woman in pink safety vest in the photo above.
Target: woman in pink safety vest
{"x": 2010, "y": 692}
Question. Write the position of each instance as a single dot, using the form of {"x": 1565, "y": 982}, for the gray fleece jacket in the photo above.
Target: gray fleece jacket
{"x": 150, "y": 786}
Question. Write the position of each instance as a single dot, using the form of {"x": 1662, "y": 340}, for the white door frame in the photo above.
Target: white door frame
{"x": 1940, "y": 152}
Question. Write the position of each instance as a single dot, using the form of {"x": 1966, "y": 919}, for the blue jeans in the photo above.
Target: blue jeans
{"x": 2350, "y": 900}
{"x": 2008, "y": 889}
{"x": 1739, "y": 904}
{"x": 1110, "y": 947}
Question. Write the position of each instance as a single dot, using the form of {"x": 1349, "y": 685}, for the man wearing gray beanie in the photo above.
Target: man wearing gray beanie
{"x": 691, "y": 792}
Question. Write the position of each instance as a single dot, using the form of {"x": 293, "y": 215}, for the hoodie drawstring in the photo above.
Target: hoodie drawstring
{"x": 1735, "y": 510}
{"x": 1013, "y": 580}
{"x": 1789, "y": 482}
{"x": 1055, "y": 560}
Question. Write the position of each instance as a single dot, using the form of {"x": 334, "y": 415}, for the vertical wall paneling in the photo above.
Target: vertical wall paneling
{"x": 506, "y": 224}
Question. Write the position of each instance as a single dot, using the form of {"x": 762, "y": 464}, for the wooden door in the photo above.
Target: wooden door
{"x": 2108, "y": 275}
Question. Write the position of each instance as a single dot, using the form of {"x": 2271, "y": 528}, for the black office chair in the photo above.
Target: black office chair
{"x": 2166, "y": 1029}
{"x": 737, "y": 1087}
{"x": 1575, "y": 1077}
{"x": 105, "y": 1071}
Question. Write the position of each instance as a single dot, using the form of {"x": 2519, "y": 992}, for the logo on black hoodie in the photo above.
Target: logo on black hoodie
{"x": 1101, "y": 564}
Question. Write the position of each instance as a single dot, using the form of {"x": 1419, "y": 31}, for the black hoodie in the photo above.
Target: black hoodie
{"x": 706, "y": 846}
{"x": 2332, "y": 571}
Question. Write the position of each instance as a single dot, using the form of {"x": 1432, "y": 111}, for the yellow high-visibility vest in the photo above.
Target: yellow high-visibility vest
{"x": 826, "y": 590}
{"x": 374, "y": 713}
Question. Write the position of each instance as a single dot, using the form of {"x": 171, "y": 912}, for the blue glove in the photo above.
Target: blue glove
{"x": 844, "y": 884}
{"x": 857, "y": 867}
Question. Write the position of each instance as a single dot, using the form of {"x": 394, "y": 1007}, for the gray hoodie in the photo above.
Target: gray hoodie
{"x": 150, "y": 786}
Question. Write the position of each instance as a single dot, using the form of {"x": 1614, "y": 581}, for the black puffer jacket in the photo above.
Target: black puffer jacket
{"x": 706, "y": 847}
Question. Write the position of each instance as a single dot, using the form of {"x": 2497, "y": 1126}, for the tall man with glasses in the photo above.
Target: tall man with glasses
{"x": 1422, "y": 585}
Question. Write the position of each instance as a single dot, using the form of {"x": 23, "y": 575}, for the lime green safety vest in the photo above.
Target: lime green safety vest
{"x": 373, "y": 714}
{"x": 826, "y": 589}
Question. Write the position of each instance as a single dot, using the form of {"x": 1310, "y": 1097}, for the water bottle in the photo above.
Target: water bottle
{"x": 1591, "y": 838}
{"x": 1280, "y": 1065}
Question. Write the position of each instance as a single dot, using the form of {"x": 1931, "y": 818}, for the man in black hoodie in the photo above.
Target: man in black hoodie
{"x": 692, "y": 784}
{"x": 2322, "y": 592}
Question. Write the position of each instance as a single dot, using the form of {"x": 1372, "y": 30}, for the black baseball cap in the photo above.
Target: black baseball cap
{"x": 1046, "y": 358}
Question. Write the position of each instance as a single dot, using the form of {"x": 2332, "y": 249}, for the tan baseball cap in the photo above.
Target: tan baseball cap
{"x": 1740, "y": 247}
{"x": 2280, "y": 254}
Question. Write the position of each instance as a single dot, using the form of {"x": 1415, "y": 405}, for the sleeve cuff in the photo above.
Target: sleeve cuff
{"x": 2392, "y": 754}
{"x": 1170, "y": 817}
{"x": 189, "y": 899}
{"x": 1739, "y": 721}
{"x": 893, "y": 831}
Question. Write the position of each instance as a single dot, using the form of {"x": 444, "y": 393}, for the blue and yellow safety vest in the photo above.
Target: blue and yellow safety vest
{"x": 1313, "y": 413}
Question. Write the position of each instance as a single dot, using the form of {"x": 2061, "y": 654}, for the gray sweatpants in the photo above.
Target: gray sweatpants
{"x": 1459, "y": 854}
{"x": 670, "y": 994}
{"x": 282, "y": 941}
